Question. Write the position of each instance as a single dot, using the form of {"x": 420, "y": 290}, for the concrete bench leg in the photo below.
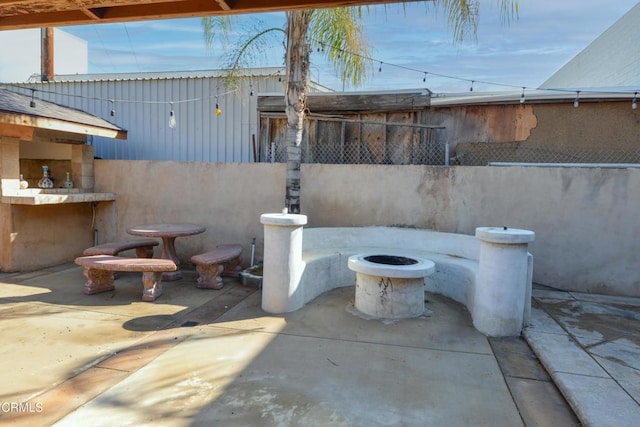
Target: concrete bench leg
{"x": 209, "y": 276}
{"x": 98, "y": 281}
{"x": 232, "y": 267}
{"x": 152, "y": 285}
{"x": 146, "y": 252}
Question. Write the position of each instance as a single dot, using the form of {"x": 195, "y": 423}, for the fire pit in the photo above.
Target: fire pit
{"x": 390, "y": 286}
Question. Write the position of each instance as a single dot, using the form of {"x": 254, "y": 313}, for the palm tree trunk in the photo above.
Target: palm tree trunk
{"x": 297, "y": 63}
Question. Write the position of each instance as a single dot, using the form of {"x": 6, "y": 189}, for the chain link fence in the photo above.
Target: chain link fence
{"x": 353, "y": 141}
{"x": 386, "y": 142}
{"x": 483, "y": 154}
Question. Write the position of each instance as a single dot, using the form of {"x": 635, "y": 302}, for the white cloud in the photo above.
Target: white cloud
{"x": 524, "y": 53}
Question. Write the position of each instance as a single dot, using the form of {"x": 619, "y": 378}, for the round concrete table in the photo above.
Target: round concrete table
{"x": 168, "y": 233}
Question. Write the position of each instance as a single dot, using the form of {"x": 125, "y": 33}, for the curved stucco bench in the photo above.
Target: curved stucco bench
{"x": 325, "y": 252}
{"x": 323, "y": 265}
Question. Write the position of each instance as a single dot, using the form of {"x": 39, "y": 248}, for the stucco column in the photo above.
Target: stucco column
{"x": 501, "y": 290}
{"x": 283, "y": 264}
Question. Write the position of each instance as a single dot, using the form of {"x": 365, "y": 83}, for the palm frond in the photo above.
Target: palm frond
{"x": 214, "y": 26}
{"x": 462, "y": 15}
{"x": 509, "y": 10}
{"x": 254, "y": 42}
{"x": 340, "y": 33}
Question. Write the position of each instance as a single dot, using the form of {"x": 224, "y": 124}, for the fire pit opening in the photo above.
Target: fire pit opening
{"x": 390, "y": 260}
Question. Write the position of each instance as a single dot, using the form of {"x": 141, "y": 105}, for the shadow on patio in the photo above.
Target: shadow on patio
{"x": 198, "y": 357}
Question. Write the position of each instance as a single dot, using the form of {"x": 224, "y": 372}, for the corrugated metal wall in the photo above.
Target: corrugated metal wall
{"x": 142, "y": 107}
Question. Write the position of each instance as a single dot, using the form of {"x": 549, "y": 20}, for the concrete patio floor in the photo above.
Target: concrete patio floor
{"x": 205, "y": 357}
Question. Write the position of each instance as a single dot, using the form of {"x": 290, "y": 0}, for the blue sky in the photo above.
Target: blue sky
{"x": 524, "y": 53}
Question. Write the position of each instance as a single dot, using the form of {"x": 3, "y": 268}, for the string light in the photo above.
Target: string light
{"x": 172, "y": 117}
{"x": 634, "y": 103}
{"x": 250, "y": 89}
{"x": 446, "y": 76}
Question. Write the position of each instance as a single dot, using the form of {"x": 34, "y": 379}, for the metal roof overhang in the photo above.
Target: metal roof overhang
{"x": 17, "y": 14}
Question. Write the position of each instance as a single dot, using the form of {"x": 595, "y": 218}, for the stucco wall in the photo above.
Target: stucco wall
{"x": 544, "y": 132}
{"x": 47, "y": 235}
{"x": 585, "y": 219}
{"x": 227, "y": 198}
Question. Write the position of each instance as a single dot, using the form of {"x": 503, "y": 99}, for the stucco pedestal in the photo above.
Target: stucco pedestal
{"x": 283, "y": 264}
{"x": 501, "y": 291}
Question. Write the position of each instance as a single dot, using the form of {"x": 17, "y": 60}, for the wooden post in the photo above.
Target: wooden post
{"x": 46, "y": 54}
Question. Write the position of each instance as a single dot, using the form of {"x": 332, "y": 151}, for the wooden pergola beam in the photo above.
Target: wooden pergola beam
{"x": 17, "y": 14}
{"x": 226, "y": 5}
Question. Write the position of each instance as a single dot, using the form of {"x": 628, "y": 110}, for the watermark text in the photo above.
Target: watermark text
{"x": 21, "y": 407}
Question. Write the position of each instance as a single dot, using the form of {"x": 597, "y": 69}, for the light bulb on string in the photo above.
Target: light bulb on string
{"x": 634, "y": 101}
{"x": 522, "y": 97}
{"x": 471, "y": 87}
{"x": 424, "y": 79}
{"x": 218, "y": 110}
{"x": 112, "y": 113}
{"x": 380, "y": 68}
{"x": 32, "y": 104}
{"x": 576, "y": 102}
{"x": 172, "y": 118}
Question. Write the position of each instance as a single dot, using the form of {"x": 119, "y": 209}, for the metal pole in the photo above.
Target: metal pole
{"x": 253, "y": 250}
{"x": 446, "y": 154}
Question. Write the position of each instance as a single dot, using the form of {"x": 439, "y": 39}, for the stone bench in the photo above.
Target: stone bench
{"x": 224, "y": 260}
{"x": 98, "y": 270}
{"x": 490, "y": 273}
{"x": 143, "y": 247}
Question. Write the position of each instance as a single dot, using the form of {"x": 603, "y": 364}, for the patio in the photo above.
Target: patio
{"x": 195, "y": 357}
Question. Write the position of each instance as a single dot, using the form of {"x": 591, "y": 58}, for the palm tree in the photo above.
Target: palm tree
{"x": 338, "y": 31}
